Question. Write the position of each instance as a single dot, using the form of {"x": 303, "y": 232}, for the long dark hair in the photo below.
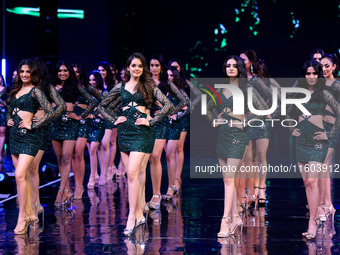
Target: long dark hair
{"x": 163, "y": 75}
{"x": 98, "y": 78}
{"x": 34, "y": 74}
{"x": 70, "y": 90}
{"x": 177, "y": 77}
{"x": 145, "y": 85}
{"x": 259, "y": 68}
{"x": 182, "y": 72}
{"x": 319, "y": 86}
{"x": 334, "y": 60}
{"x": 316, "y": 50}
{"x": 82, "y": 75}
{"x": 109, "y": 76}
{"x": 44, "y": 74}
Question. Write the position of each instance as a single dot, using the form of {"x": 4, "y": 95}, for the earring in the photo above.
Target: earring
{"x": 251, "y": 69}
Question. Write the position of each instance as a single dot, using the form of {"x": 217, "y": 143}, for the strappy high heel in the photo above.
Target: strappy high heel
{"x": 225, "y": 234}
{"x": 154, "y": 205}
{"x": 67, "y": 199}
{"x": 261, "y": 201}
{"x": 234, "y": 227}
{"x": 91, "y": 183}
{"x": 167, "y": 197}
{"x": 308, "y": 235}
{"x": 23, "y": 229}
{"x": 252, "y": 199}
{"x": 322, "y": 217}
{"x": 130, "y": 232}
{"x": 58, "y": 204}
{"x": 79, "y": 195}
{"x": 330, "y": 211}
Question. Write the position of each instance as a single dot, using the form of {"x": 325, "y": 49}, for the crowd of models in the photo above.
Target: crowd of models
{"x": 145, "y": 111}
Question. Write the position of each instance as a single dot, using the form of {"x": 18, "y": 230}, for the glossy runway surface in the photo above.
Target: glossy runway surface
{"x": 187, "y": 226}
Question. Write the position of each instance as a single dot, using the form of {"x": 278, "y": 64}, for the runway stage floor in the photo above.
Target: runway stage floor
{"x": 188, "y": 225}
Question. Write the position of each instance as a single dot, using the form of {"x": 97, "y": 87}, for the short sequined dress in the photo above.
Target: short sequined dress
{"x": 25, "y": 141}
{"x": 133, "y": 137}
{"x": 65, "y": 128}
{"x": 308, "y": 148}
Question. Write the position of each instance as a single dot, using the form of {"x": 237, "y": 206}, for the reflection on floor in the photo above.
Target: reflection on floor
{"x": 188, "y": 225}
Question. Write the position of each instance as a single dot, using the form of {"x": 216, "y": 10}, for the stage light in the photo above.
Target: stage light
{"x": 35, "y": 12}
{"x": 6, "y": 184}
{"x": 3, "y": 68}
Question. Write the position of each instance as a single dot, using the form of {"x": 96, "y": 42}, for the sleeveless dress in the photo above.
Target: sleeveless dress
{"x": 22, "y": 140}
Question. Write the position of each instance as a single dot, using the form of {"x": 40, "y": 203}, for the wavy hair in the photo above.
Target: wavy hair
{"x": 34, "y": 74}
{"x": 70, "y": 90}
{"x": 145, "y": 85}
{"x": 98, "y": 78}
{"x": 319, "y": 86}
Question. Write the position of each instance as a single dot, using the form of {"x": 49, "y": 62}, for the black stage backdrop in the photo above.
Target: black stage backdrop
{"x": 282, "y": 32}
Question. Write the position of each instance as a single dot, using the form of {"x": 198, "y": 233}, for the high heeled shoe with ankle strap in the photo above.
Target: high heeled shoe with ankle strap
{"x": 225, "y": 234}
{"x": 23, "y": 229}
{"x": 154, "y": 205}
{"x": 64, "y": 203}
{"x": 234, "y": 227}
{"x": 308, "y": 235}
{"x": 130, "y": 232}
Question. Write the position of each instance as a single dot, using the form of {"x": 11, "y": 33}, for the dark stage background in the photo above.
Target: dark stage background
{"x": 112, "y": 30}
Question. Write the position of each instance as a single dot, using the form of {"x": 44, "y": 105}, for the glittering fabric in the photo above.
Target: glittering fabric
{"x": 231, "y": 141}
{"x": 307, "y": 148}
{"x": 130, "y": 136}
{"x": 262, "y": 132}
{"x": 25, "y": 141}
{"x": 97, "y": 130}
{"x": 185, "y": 123}
{"x": 3, "y": 113}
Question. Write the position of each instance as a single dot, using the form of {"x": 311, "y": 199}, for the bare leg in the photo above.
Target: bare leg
{"x": 312, "y": 192}
{"x": 170, "y": 147}
{"x": 133, "y": 161}
{"x": 106, "y": 151}
{"x": 142, "y": 178}
{"x": 21, "y": 164}
{"x": 93, "y": 163}
{"x": 2, "y": 141}
{"x": 34, "y": 178}
{"x": 156, "y": 168}
{"x": 180, "y": 159}
{"x": 261, "y": 155}
{"x": 113, "y": 149}
{"x": 64, "y": 153}
{"x": 78, "y": 166}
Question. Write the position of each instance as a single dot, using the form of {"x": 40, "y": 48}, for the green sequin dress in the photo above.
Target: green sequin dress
{"x": 64, "y": 128}
{"x": 60, "y": 107}
{"x": 25, "y": 141}
{"x": 308, "y": 148}
{"x": 132, "y": 137}
{"x": 265, "y": 92}
{"x": 231, "y": 141}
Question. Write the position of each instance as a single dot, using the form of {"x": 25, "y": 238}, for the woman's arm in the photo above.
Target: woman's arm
{"x": 104, "y": 106}
{"x": 333, "y": 135}
{"x": 166, "y": 109}
{"x": 58, "y": 100}
{"x": 40, "y": 97}
{"x": 197, "y": 94}
{"x": 188, "y": 104}
{"x": 179, "y": 95}
{"x": 89, "y": 99}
